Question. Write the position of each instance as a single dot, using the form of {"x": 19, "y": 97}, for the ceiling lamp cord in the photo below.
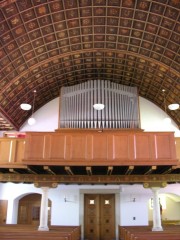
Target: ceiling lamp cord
{"x": 99, "y": 105}
{"x": 32, "y": 120}
{"x": 175, "y": 105}
{"x": 166, "y": 120}
{"x": 25, "y": 106}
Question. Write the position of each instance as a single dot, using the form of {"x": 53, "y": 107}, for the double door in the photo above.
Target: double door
{"x": 99, "y": 217}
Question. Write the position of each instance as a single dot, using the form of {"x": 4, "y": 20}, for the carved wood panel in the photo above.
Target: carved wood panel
{"x": 35, "y": 146}
{"x": 163, "y": 147}
{"x": 120, "y": 147}
{"x": 91, "y": 148}
{"x": 91, "y": 217}
{"x": 142, "y": 147}
{"x": 96, "y": 148}
{"x": 11, "y": 150}
{"x": 107, "y": 204}
{"x": 56, "y": 146}
{"x": 5, "y": 147}
{"x": 178, "y": 147}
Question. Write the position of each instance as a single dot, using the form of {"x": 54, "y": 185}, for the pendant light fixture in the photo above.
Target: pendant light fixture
{"x": 32, "y": 120}
{"x": 98, "y": 106}
{"x": 25, "y": 106}
{"x": 166, "y": 120}
{"x": 173, "y": 106}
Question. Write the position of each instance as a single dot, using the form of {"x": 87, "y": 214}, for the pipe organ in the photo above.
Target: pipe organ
{"x": 121, "y": 105}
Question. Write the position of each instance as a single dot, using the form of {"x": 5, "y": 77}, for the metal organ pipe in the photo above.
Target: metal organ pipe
{"x": 121, "y": 105}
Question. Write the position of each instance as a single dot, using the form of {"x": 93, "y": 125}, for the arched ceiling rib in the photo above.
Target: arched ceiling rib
{"x": 46, "y": 44}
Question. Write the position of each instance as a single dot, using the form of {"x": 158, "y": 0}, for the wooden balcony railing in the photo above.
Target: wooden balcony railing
{"x": 90, "y": 148}
{"x": 11, "y": 150}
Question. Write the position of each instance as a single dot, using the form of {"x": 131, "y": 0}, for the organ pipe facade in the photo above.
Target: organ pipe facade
{"x": 121, "y": 106}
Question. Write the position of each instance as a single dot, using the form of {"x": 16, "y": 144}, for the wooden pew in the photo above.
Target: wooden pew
{"x": 24, "y": 237}
{"x": 15, "y": 232}
{"x": 145, "y": 233}
{"x": 154, "y": 236}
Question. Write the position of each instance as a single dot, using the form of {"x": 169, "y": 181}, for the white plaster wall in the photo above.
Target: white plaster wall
{"x": 46, "y": 118}
{"x": 172, "y": 211}
{"x": 141, "y": 209}
{"x": 152, "y": 118}
{"x": 71, "y": 212}
{"x": 171, "y": 188}
{"x": 133, "y": 205}
{"x": 64, "y": 212}
{"x": 133, "y": 213}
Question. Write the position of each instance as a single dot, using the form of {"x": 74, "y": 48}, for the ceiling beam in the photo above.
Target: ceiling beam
{"x": 49, "y": 170}
{"x": 68, "y": 170}
{"x": 109, "y": 170}
{"x": 150, "y": 170}
{"x": 89, "y": 171}
{"x": 129, "y": 170}
{"x": 31, "y": 171}
{"x": 170, "y": 169}
{"x": 12, "y": 170}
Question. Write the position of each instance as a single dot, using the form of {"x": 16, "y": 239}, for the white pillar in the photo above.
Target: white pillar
{"x": 12, "y": 211}
{"x": 156, "y": 210}
{"x": 44, "y": 210}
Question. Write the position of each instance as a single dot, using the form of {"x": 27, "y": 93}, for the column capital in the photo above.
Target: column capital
{"x": 46, "y": 184}
{"x": 155, "y": 185}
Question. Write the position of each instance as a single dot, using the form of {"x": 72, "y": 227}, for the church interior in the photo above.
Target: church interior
{"x": 90, "y": 119}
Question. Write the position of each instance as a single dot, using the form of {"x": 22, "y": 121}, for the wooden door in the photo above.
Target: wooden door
{"x": 29, "y": 209}
{"x": 99, "y": 217}
{"x": 3, "y": 211}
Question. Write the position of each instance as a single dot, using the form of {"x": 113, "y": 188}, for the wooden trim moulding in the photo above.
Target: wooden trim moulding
{"x": 81, "y": 179}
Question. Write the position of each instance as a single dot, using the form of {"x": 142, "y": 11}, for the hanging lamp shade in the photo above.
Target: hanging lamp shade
{"x": 31, "y": 121}
{"x": 173, "y": 106}
{"x": 167, "y": 120}
{"x": 98, "y": 106}
{"x": 25, "y": 106}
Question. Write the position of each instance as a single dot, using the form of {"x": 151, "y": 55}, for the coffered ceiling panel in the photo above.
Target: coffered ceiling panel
{"x": 47, "y": 44}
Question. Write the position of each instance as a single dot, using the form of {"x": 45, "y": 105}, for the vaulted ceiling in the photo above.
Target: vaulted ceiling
{"x": 47, "y": 44}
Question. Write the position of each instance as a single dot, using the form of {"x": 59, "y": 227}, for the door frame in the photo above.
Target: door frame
{"x": 99, "y": 191}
